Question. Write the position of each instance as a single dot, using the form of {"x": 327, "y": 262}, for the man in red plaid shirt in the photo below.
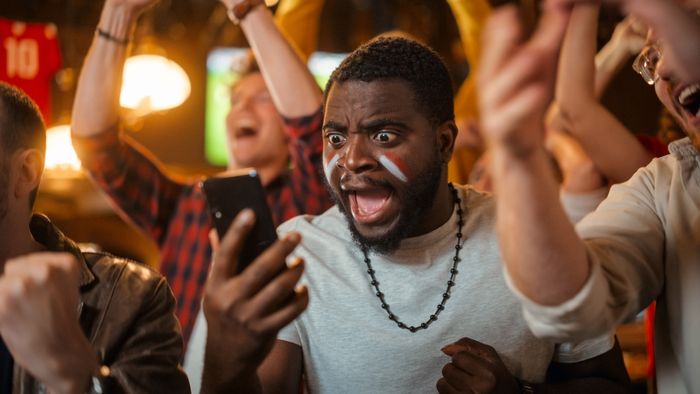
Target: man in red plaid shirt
{"x": 274, "y": 128}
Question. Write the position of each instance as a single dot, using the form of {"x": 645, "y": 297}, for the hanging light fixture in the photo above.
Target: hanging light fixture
{"x": 60, "y": 154}
{"x": 153, "y": 83}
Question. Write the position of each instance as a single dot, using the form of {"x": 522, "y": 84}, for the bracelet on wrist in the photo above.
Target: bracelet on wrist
{"x": 109, "y": 37}
{"x": 239, "y": 11}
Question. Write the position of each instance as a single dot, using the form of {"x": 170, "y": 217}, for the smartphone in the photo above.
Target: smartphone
{"x": 229, "y": 195}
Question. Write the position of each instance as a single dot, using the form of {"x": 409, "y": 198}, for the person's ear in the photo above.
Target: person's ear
{"x": 30, "y": 165}
{"x": 447, "y": 135}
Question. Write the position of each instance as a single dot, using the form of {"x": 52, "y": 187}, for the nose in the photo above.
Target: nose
{"x": 357, "y": 156}
{"x": 241, "y": 103}
{"x": 663, "y": 70}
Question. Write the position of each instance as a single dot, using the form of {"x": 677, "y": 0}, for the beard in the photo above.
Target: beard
{"x": 416, "y": 200}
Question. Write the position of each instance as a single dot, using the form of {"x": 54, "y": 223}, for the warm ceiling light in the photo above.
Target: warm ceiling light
{"x": 60, "y": 154}
{"x": 153, "y": 83}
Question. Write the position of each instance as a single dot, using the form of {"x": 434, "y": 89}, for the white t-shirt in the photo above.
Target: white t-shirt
{"x": 350, "y": 345}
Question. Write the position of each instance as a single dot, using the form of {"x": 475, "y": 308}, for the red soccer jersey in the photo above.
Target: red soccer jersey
{"x": 30, "y": 55}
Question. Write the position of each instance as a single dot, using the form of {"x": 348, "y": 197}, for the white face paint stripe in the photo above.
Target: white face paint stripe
{"x": 392, "y": 168}
{"x": 330, "y": 166}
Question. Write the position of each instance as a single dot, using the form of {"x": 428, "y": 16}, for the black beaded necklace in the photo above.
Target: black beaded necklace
{"x": 450, "y": 282}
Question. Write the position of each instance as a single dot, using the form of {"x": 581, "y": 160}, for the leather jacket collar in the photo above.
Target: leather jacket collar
{"x": 47, "y": 234}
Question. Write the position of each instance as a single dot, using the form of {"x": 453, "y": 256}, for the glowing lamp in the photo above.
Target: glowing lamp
{"x": 60, "y": 154}
{"x": 153, "y": 83}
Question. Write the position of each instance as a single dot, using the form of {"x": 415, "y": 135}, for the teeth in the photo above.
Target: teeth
{"x": 687, "y": 93}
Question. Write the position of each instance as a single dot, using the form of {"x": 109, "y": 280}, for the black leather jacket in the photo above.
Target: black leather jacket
{"x": 127, "y": 313}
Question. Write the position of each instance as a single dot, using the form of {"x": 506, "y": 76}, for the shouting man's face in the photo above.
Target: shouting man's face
{"x": 256, "y": 137}
{"x": 681, "y": 98}
{"x": 383, "y": 160}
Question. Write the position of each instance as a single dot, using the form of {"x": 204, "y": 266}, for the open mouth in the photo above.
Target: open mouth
{"x": 689, "y": 99}
{"x": 369, "y": 206}
{"x": 245, "y": 131}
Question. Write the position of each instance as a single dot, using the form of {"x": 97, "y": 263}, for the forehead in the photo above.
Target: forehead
{"x": 252, "y": 82}
{"x": 359, "y": 99}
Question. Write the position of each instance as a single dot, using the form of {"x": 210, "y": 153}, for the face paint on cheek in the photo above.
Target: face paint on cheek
{"x": 329, "y": 165}
{"x": 395, "y": 166}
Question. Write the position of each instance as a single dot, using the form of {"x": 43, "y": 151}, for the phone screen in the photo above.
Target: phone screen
{"x": 227, "y": 196}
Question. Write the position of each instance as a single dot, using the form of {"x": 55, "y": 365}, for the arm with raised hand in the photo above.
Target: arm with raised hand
{"x": 672, "y": 22}
{"x": 614, "y": 150}
{"x": 96, "y": 106}
{"x": 129, "y": 174}
{"x": 627, "y": 40}
{"x": 517, "y": 82}
{"x": 293, "y": 88}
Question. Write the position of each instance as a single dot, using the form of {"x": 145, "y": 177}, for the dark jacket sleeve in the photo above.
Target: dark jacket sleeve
{"x": 137, "y": 334}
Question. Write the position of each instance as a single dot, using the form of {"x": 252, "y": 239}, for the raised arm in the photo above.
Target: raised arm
{"x": 128, "y": 173}
{"x": 614, "y": 150}
{"x": 627, "y": 40}
{"x": 543, "y": 255}
{"x": 672, "y": 22}
{"x": 293, "y": 88}
{"x": 96, "y": 106}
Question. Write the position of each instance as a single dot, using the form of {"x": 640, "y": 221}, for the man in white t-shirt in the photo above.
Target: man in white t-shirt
{"x": 403, "y": 276}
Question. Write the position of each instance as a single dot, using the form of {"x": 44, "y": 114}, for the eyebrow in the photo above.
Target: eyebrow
{"x": 375, "y": 124}
{"x": 383, "y": 122}
{"x": 334, "y": 125}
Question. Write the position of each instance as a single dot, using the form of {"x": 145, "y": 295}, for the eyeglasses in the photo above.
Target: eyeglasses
{"x": 646, "y": 62}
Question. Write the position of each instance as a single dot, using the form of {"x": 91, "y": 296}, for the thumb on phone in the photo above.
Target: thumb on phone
{"x": 226, "y": 250}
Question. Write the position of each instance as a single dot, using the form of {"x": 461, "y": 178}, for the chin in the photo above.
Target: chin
{"x": 385, "y": 244}
{"x": 382, "y": 238}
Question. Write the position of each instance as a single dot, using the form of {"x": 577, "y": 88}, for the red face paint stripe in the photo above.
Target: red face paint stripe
{"x": 399, "y": 163}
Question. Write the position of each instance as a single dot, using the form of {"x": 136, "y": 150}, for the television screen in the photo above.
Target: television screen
{"x": 222, "y": 66}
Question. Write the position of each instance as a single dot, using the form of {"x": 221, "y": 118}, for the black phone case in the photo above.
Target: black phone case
{"x": 227, "y": 196}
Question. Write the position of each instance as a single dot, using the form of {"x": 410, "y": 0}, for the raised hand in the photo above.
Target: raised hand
{"x": 245, "y": 311}
{"x": 630, "y": 34}
{"x": 39, "y": 320}
{"x": 673, "y": 24}
{"x": 475, "y": 368}
{"x": 516, "y": 78}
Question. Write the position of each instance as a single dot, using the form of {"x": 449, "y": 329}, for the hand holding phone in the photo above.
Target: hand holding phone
{"x": 246, "y": 311}
{"x": 227, "y": 196}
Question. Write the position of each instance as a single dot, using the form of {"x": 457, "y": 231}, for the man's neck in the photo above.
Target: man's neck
{"x": 442, "y": 208}
{"x": 267, "y": 174}
{"x": 16, "y": 239}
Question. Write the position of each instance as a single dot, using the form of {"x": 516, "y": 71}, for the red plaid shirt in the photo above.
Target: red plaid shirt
{"x": 174, "y": 213}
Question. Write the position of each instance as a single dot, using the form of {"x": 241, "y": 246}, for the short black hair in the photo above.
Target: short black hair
{"x": 21, "y": 124}
{"x": 400, "y": 58}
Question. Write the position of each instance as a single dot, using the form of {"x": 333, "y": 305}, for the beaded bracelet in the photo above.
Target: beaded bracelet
{"x": 109, "y": 37}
